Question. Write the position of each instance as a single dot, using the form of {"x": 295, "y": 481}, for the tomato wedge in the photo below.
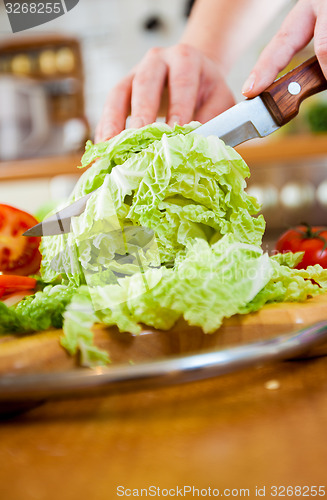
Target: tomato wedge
{"x": 14, "y": 288}
{"x": 19, "y": 254}
{"x": 11, "y": 283}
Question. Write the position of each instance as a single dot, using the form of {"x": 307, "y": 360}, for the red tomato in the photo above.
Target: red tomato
{"x": 18, "y": 254}
{"x": 310, "y": 240}
{"x": 15, "y": 286}
{"x": 11, "y": 283}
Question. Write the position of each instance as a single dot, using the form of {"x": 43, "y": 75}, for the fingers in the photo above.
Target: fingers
{"x": 320, "y": 35}
{"x": 139, "y": 92}
{"x": 142, "y": 91}
{"x": 220, "y": 100}
{"x": 148, "y": 84}
{"x": 183, "y": 84}
{"x": 116, "y": 110}
{"x": 294, "y": 34}
{"x": 195, "y": 84}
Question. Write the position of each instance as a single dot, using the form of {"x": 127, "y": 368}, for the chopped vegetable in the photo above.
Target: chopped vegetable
{"x": 18, "y": 254}
{"x": 169, "y": 234}
{"x": 79, "y": 317}
{"x": 37, "y": 312}
{"x": 210, "y": 283}
{"x": 11, "y": 283}
{"x": 181, "y": 187}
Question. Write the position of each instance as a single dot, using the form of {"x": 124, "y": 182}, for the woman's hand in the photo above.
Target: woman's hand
{"x": 196, "y": 90}
{"x": 306, "y": 20}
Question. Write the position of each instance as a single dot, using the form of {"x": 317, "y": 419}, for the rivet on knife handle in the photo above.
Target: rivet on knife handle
{"x": 284, "y": 96}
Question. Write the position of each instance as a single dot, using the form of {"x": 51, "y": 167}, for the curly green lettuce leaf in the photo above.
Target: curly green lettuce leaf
{"x": 79, "y": 317}
{"x": 8, "y": 320}
{"x": 37, "y": 312}
{"x": 207, "y": 285}
{"x": 288, "y": 284}
{"x": 180, "y": 185}
{"x": 288, "y": 259}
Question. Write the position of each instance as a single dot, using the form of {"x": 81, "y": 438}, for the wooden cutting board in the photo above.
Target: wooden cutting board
{"x": 41, "y": 352}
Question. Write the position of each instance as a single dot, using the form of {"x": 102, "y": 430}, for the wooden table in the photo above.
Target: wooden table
{"x": 259, "y": 428}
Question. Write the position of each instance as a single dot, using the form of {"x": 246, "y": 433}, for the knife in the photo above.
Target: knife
{"x": 251, "y": 118}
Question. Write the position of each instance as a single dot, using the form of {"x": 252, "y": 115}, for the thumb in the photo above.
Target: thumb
{"x": 320, "y": 40}
{"x": 294, "y": 34}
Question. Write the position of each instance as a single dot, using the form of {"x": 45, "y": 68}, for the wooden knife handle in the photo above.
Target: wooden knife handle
{"x": 284, "y": 96}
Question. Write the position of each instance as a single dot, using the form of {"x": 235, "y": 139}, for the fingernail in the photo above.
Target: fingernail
{"x": 249, "y": 84}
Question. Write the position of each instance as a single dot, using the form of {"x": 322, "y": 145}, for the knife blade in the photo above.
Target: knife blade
{"x": 251, "y": 118}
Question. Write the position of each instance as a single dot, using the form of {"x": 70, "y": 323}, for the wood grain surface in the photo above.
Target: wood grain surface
{"x": 282, "y": 104}
{"x": 258, "y": 428}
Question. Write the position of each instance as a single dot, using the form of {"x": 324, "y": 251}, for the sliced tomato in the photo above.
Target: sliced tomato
{"x": 19, "y": 254}
{"x": 14, "y": 288}
{"x": 10, "y": 283}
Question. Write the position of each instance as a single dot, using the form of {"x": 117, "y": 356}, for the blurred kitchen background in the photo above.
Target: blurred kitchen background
{"x": 53, "y": 84}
